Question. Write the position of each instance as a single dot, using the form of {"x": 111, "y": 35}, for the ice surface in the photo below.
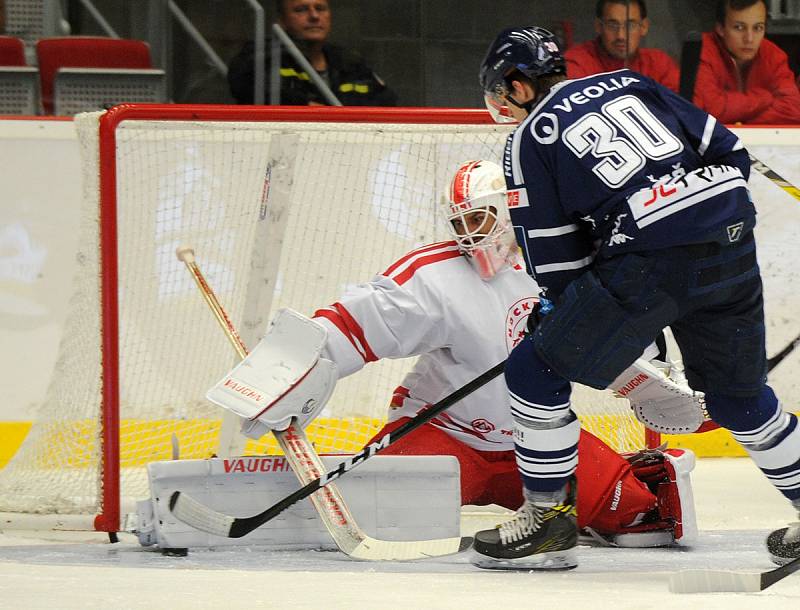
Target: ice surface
{"x": 736, "y": 508}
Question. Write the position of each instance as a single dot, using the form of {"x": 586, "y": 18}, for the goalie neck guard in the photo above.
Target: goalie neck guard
{"x": 476, "y": 210}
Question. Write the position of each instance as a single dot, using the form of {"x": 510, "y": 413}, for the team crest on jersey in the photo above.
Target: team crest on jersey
{"x": 484, "y": 426}
{"x": 517, "y": 320}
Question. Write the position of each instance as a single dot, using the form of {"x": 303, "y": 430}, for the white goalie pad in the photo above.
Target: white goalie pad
{"x": 391, "y": 497}
{"x": 660, "y": 402}
{"x": 678, "y": 495}
{"x": 284, "y": 377}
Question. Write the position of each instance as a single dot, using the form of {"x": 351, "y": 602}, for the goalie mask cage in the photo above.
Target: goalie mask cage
{"x": 283, "y": 207}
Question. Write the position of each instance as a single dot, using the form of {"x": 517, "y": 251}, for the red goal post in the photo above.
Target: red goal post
{"x": 108, "y": 180}
{"x": 284, "y": 207}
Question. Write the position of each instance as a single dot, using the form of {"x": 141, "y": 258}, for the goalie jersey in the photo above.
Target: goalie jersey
{"x": 617, "y": 163}
{"x": 432, "y": 303}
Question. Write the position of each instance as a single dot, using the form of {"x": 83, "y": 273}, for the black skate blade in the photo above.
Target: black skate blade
{"x": 555, "y": 561}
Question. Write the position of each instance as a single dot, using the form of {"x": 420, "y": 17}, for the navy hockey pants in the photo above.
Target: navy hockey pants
{"x": 709, "y": 294}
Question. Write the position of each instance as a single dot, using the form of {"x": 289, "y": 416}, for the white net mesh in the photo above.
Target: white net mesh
{"x": 278, "y": 214}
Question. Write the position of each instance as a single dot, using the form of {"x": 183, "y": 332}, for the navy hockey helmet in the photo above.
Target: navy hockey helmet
{"x": 533, "y": 51}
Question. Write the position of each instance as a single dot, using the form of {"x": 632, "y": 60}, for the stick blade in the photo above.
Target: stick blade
{"x": 191, "y": 512}
{"x": 711, "y": 581}
{"x": 371, "y": 549}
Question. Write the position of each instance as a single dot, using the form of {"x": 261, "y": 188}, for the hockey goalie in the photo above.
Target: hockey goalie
{"x": 460, "y": 306}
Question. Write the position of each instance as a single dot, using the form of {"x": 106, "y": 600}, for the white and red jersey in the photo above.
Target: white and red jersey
{"x": 431, "y": 303}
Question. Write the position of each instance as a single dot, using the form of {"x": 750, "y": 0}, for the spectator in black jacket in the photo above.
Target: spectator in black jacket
{"x": 308, "y": 23}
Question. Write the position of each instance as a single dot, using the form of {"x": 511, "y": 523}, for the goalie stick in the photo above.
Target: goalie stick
{"x": 719, "y": 581}
{"x": 308, "y": 467}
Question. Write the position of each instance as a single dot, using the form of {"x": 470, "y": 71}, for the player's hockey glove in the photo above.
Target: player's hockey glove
{"x": 540, "y": 309}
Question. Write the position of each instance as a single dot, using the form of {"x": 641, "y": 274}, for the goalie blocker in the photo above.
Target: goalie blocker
{"x": 284, "y": 377}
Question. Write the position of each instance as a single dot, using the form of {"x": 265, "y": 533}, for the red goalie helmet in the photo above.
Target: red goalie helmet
{"x": 476, "y": 209}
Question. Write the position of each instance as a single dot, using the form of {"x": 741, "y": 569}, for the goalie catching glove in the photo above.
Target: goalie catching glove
{"x": 661, "y": 402}
{"x": 282, "y": 379}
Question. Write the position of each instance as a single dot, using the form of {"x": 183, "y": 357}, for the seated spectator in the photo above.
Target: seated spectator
{"x": 308, "y": 23}
{"x": 743, "y": 78}
{"x": 620, "y": 27}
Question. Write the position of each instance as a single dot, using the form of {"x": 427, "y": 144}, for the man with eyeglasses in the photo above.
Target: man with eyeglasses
{"x": 620, "y": 27}
{"x": 742, "y": 77}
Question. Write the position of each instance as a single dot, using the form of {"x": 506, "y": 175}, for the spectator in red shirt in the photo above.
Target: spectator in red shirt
{"x": 620, "y": 27}
{"x": 743, "y": 78}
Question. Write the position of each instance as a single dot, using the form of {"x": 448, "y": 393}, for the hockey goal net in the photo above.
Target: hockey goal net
{"x": 283, "y": 207}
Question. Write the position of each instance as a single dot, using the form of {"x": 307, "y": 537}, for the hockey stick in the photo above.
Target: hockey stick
{"x": 307, "y": 466}
{"x": 776, "y": 178}
{"x": 717, "y": 581}
{"x": 709, "y": 425}
{"x": 778, "y": 358}
{"x": 236, "y": 527}
{"x": 792, "y": 190}
{"x": 690, "y": 60}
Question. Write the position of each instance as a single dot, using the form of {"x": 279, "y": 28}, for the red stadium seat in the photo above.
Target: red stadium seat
{"x": 12, "y": 51}
{"x": 86, "y": 52}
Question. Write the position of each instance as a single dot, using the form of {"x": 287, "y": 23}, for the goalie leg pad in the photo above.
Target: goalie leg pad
{"x": 421, "y": 488}
{"x": 675, "y": 496}
{"x": 284, "y": 377}
{"x": 668, "y": 475}
{"x": 610, "y": 497}
{"x": 642, "y": 501}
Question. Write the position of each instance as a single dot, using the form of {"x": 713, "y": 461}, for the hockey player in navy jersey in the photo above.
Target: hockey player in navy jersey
{"x": 632, "y": 209}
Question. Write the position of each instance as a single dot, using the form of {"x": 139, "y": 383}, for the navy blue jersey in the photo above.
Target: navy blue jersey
{"x": 617, "y": 163}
